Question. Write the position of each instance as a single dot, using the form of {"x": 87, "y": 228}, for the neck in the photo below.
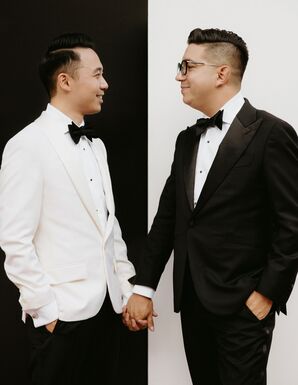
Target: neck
{"x": 68, "y": 110}
{"x": 218, "y": 101}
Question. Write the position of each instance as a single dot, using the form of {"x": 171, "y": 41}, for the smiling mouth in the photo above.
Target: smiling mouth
{"x": 183, "y": 89}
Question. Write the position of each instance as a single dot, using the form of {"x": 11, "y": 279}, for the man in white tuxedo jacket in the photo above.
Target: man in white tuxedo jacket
{"x": 63, "y": 244}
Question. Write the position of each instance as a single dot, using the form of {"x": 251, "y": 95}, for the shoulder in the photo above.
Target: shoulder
{"x": 27, "y": 141}
{"x": 185, "y": 134}
{"x": 273, "y": 119}
{"x": 24, "y": 137}
{"x": 28, "y": 135}
{"x": 272, "y": 124}
{"x": 278, "y": 127}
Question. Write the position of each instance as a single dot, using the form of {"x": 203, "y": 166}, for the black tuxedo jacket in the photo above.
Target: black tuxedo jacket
{"x": 243, "y": 233}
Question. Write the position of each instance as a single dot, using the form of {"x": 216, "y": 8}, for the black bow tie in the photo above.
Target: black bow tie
{"x": 204, "y": 123}
{"x": 76, "y": 132}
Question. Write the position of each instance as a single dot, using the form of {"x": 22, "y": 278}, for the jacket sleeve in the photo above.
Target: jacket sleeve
{"x": 281, "y": 173}
{"x": 124, "y": 268}
{"x": 160, "y": 240}
{"x": 21, "y": 189}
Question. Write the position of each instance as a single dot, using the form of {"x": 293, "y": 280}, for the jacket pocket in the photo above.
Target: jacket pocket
{"x": 67, "y": 274}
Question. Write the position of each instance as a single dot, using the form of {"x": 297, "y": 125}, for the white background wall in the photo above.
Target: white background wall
{"x": 269, "y": 28}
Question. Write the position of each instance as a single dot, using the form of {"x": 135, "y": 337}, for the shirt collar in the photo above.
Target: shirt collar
{"x": 60, "y": 116}
{"x": 232, "y": 107}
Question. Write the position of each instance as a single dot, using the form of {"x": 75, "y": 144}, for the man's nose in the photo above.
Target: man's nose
{"x": 179, "y": 77}
{"x": 104, "y": 85}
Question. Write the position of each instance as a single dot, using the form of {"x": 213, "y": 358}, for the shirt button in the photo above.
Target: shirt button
{"x": 34, "y": 315}
{"x": 201, "y": 171}
{"x": 208, "y": 141}
{"x": 91, "y": 180}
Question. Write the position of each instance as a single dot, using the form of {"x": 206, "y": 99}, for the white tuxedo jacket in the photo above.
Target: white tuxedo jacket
{"x": 57, "y": 254}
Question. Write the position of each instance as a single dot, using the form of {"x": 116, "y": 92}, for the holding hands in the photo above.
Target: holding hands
{"x": 138, "y": 313}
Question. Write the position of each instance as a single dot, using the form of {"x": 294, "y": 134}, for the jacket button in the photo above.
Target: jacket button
{"x": 191, "y": 223}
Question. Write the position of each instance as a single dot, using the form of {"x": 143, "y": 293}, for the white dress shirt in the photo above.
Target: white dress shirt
{"x": 210, "y": 141}
{"x": 207, "y": 150}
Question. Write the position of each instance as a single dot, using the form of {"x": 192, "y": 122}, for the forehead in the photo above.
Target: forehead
{"x": 195, "y": 52}
{"x": 89, "y": 58}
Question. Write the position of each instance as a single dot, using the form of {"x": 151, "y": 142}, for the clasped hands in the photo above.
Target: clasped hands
{"x": 138, "y": 313}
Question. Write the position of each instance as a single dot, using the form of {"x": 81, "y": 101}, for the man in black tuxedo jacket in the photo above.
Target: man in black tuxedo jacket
{"x": 229, "y": 209}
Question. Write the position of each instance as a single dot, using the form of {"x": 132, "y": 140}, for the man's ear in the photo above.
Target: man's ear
{"x": 64, "y": 82}
{"x": 223, "y": 75}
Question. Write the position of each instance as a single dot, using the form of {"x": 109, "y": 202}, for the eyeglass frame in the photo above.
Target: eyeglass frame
{"x": 186, "y": 61}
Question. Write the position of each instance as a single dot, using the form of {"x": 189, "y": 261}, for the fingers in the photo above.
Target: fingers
{"x": 139, "y": 306}
{"x": 133, "y": 325}
{"x": 150, "y": 322}
{"x": 139, "y": 313}
{"x": 131, "y": 322}
{"x": 51, "y": 326}
{"x": 142, "y": 322}
{"x": 259, "y": 305}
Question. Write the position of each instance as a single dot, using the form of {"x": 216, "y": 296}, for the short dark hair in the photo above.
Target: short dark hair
{"x": 222, "y": 43}
{"x": 61, "y": 56}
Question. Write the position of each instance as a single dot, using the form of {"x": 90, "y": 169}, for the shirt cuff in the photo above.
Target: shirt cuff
{"x": 125, "y": 298}
{"x": 126, "y": 289}
{"x": 44, "y": 315}
{"x": 144, "y": 290}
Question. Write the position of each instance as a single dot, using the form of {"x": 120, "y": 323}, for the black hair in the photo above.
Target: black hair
{"x": 60, "y": 55}
{"x": 222, "y": 43}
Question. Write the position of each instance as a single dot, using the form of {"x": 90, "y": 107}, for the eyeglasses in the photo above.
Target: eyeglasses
{"x": 184, "y": 65}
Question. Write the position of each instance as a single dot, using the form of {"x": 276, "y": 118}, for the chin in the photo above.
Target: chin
{"x": 93, "y": 111}
{"x": 187, "y": 101}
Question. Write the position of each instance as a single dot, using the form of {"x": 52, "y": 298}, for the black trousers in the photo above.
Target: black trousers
{"x": 224, "y": 350}
{"x": 77, "y": 353}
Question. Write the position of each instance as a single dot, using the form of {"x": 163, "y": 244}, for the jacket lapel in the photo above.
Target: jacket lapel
{"x": 238, "y": 137}
{"x": 106, "y": 181}
{"x": 66, "y": 151}
{"x": 190, "y": 158}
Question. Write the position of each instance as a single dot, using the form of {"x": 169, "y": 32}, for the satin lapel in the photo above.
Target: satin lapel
{"x": 106, "y": 181}
{"x": 189, "y": 159}
{"x": 66, "y": 151}
{"x": 238, "y": 137}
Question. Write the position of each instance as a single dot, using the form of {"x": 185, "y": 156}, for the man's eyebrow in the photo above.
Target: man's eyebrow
{"x": 189, "y": 59}
{"x": 99, "y": 69}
